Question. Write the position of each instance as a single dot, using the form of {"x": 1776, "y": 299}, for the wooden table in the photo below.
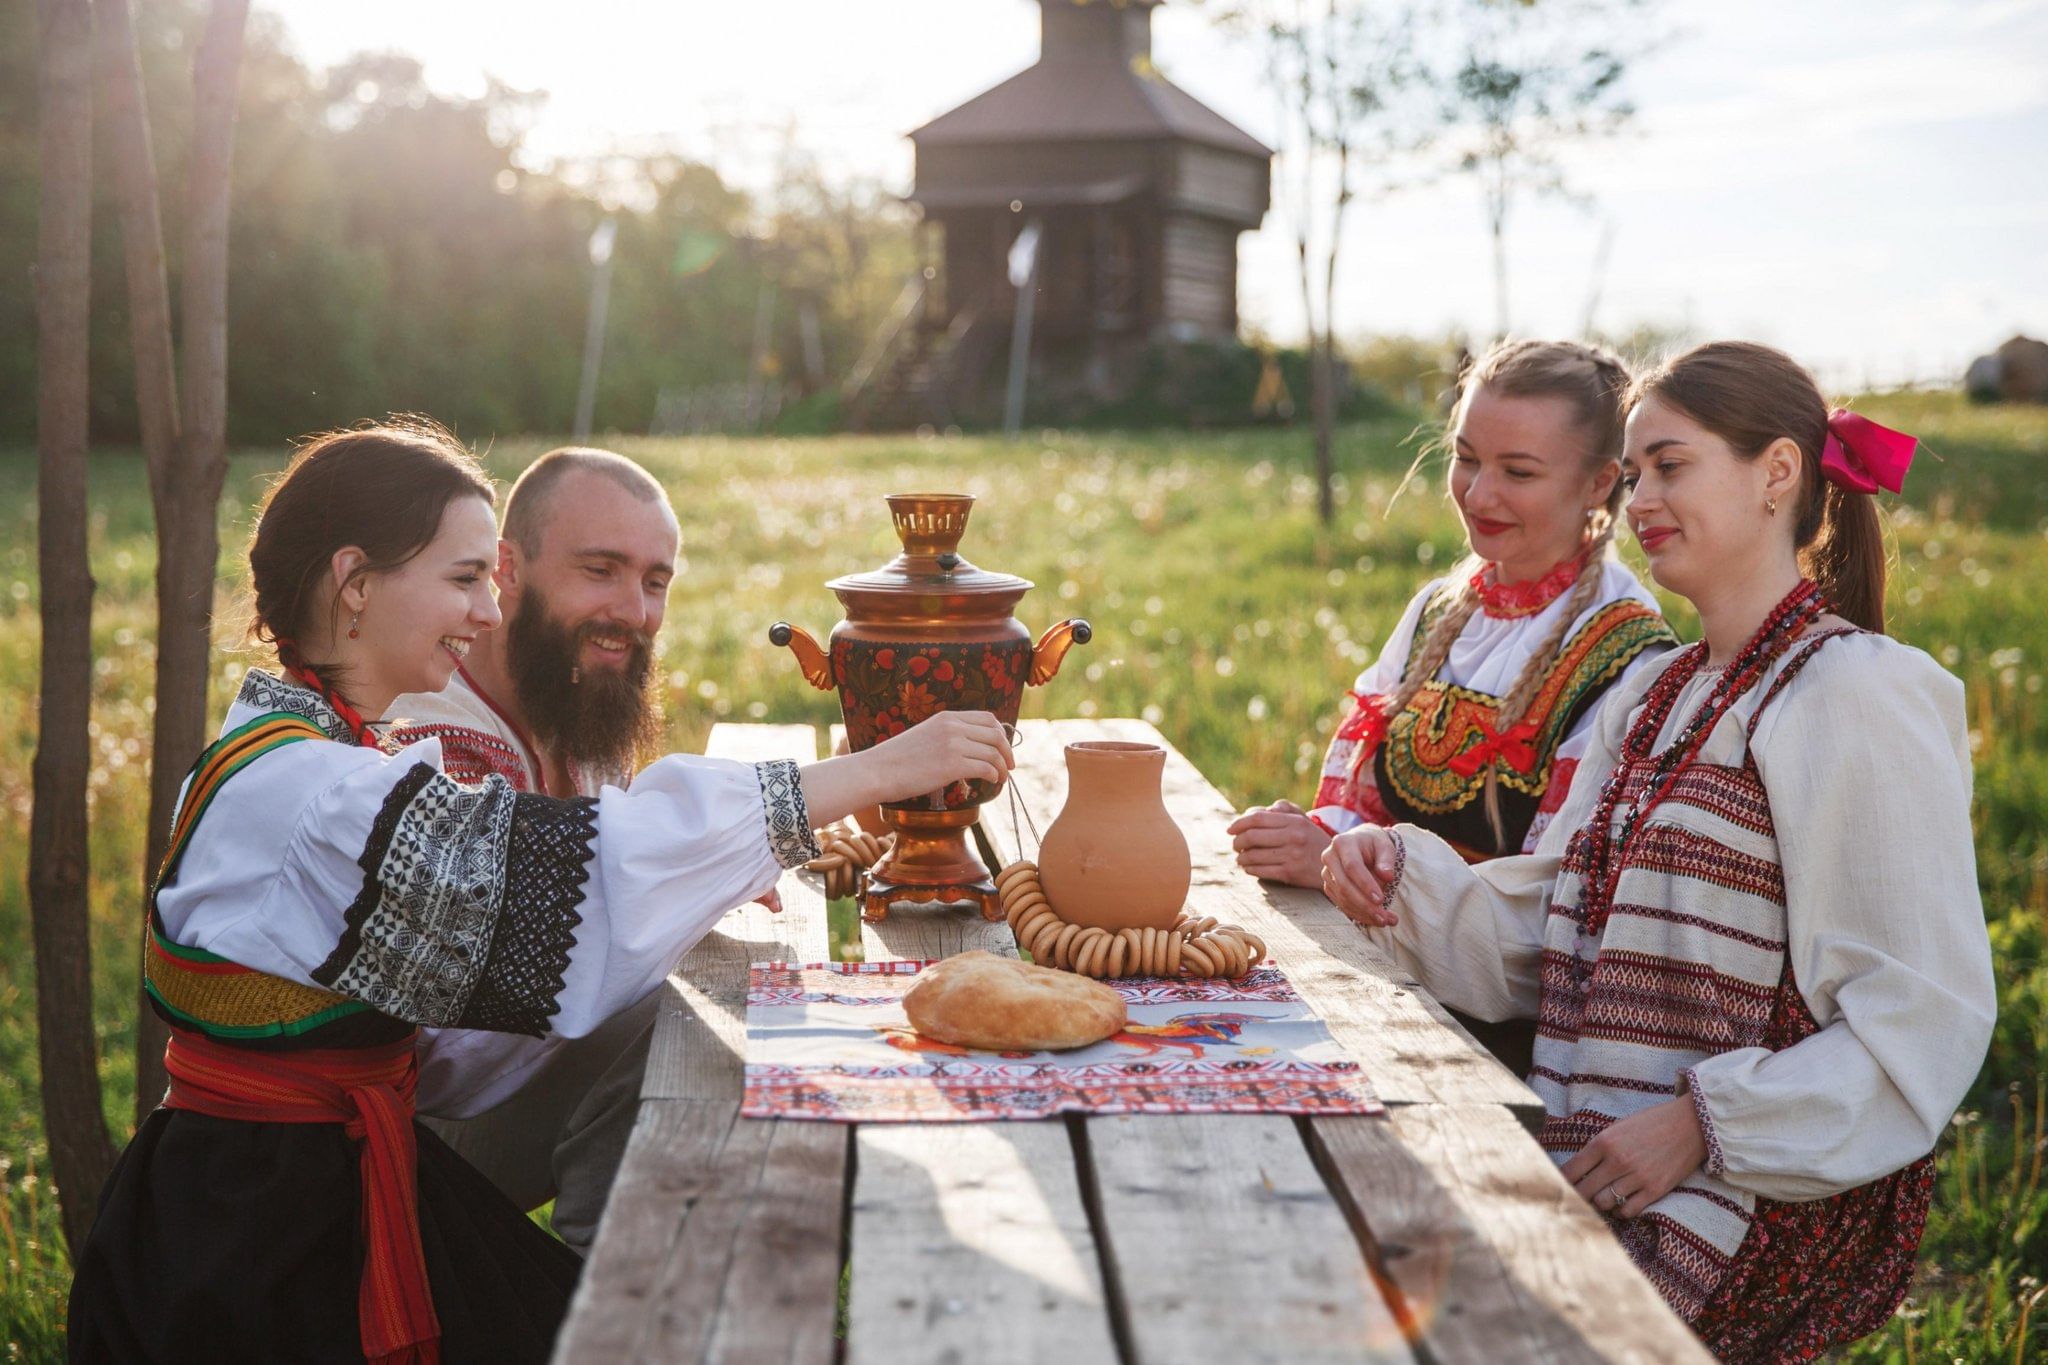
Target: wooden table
{"x": 1439, "y": 1233}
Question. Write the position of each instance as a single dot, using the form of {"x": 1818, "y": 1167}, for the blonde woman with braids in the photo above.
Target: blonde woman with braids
{"x": 1472, "y": 718}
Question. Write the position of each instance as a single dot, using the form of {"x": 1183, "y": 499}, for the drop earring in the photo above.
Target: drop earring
{"x": 1771, "y": 506}
{"x": 354, "y": 626}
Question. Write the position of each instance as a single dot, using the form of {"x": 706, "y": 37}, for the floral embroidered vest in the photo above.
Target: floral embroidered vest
{"x": 1424, "y": 766}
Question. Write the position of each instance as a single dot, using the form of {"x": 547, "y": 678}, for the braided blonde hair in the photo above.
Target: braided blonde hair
{"x": 1595, "y": 382}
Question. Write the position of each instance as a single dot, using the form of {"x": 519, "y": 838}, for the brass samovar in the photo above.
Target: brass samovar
{"x": 929, "y": 632}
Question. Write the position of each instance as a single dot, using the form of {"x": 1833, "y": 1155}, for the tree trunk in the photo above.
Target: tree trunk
{"x": 1324, "y": 384}
{"x": 81, "y": 1152}
{"x": 186, "y": 481}
{"x": 1497, "y": 224}
{"x": 142, "y": 238}
{"x": 1323, "y": 405}
{"x": 156, "y": 403}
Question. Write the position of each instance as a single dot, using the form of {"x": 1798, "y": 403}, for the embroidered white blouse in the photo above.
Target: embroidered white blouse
{"x": 1865, "y": 759}
{"x": 510, "y": 919}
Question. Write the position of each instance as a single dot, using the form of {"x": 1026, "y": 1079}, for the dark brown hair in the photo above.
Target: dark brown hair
{"x": 381, "y": 487}
{"x": 1751, "y": 395}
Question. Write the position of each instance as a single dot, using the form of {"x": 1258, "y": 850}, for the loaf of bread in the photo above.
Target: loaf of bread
{"x": 1004, "y": 1004}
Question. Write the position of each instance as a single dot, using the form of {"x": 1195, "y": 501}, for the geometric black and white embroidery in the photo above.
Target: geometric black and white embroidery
{"x": 268, "y": 692}
{"x": 418, "y": 935}
{"x": 790, "y": 836}
{"x": 545, "y": 874}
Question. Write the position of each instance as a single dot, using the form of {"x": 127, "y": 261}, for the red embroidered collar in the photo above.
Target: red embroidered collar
{"x": 540, "y": 772}
{"x": 1510, "y": 600}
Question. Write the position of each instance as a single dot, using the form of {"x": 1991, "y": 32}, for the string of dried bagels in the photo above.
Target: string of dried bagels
{"x": 848, "y": 852}
{"x": 1192, "y": 947}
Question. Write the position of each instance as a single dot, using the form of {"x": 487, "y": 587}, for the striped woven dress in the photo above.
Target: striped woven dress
{"x": 1796, "y": 942}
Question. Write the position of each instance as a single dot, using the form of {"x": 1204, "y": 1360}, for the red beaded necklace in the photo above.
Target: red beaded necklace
{"x": 298, "y": 670}
{"x": 1605, "y": 855}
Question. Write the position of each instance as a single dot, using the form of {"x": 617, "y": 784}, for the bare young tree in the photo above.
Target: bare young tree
{"x": 1534, "y": 77}
{"x": 1343, "y": 75}
{"x": 81, "y": 1152}
{"x": 184, "y": 432}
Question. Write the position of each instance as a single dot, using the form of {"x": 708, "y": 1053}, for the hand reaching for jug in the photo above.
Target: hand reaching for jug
{"x": 952, "y": 746}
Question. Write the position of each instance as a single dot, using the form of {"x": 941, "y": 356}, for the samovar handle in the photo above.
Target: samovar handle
{"x": 815, "y": 662}
{"x": 1052, "y": 647}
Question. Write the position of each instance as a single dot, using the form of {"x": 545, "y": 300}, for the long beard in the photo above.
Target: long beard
{"x": 591, "y": 717}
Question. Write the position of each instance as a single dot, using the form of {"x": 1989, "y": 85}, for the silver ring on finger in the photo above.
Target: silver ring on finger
{"x": 1614, "y": 1201}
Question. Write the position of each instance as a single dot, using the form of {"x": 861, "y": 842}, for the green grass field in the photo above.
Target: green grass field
{"x": 1222, "y": 613}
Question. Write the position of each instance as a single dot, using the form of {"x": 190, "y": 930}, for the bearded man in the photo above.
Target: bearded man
{"x": 562, "y": 699}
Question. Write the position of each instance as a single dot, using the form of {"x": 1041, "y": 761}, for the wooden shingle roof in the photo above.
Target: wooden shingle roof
{"x": 1094, "y": 82}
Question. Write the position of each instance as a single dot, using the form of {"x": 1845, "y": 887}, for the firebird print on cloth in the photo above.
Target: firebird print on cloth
{"x": 1189, "y": 1031}
{"x": 829, "y": 1041}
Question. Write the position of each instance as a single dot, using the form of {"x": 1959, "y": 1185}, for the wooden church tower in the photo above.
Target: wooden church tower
{"x": 1135, "y": 191}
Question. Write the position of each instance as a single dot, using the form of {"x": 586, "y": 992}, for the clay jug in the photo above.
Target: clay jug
{"x": 1114, "y": 859}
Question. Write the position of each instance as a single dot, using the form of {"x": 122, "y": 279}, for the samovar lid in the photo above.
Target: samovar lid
{"x": 930, "y": 526}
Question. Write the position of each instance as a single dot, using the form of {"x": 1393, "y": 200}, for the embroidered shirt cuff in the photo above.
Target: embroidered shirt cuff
{"x": 790, "y": 837}
{"x": 1688, "y": 1084}
{"x": 1392, "y": 886}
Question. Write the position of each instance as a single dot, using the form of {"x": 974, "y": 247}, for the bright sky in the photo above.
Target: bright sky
{"x": 1864, "y": 182}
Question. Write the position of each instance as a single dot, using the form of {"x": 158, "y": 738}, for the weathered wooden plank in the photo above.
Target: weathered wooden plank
{"x": 782, "y": 1293}
{"x": 1494, "y": 1255}
{"x": 1412, "y": 1051}
{"x": 1222, "y": 1240}
{"x": 669, "y": 1162}
{"x": 971, "y": 1244}
{"x": 755, "y": 1274}
{"x": 701, "y": 1196}
{"x": 931, "y": 932}
{"x": 1226, "y": 1245}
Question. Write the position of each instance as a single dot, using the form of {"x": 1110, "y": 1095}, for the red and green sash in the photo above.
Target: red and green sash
{"x": 202, "y": 991}
{"x": 213, "y": 1003}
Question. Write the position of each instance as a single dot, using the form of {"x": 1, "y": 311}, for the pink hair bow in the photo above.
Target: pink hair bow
{"x": 1864, "y": 456}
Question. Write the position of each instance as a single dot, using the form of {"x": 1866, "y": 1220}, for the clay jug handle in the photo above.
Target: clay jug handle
{"x": 816, "y": 664}
{"x": 1053, "y": 646}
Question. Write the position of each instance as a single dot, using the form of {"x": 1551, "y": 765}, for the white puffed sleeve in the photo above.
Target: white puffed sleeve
{"x": 1472, "y": 934}
{"x": 1337, "y": 805}
{"x": 1866, "y": 760}
{"x": 479, "y": 907}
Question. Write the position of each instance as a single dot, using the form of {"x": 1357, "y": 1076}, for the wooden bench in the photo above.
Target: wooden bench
{"x": 1440, "y": 1233}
